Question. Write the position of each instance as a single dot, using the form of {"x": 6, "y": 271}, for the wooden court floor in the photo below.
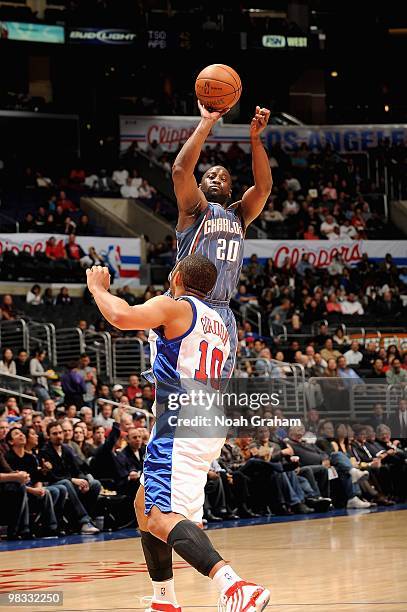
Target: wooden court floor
{"x": 339, "y": 564}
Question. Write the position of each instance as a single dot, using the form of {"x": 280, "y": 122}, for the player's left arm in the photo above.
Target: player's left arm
{"x": 255, "y": 197}
{"x": 153, "y": 313}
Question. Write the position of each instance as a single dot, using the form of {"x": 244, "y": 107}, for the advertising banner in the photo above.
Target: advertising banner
{"x": 32, "y": 32}
{"x": 170, "y": 132}
{"x": 322, "y": 252}
{"x": 121, "y": 254}
{"x": 102, "y": 36}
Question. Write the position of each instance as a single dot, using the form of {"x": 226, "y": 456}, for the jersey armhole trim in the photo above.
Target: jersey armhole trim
{"x": 191, "y": 327}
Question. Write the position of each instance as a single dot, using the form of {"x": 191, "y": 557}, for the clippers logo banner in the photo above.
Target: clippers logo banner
{"x": 96, "y": 36}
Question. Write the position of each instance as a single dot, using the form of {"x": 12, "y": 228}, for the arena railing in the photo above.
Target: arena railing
{"x": 14, "y": 334}
{"x": 69, "y": 344}
{"x": 148, "y": 415}
{"x": 42, "y": 335}
{"x": 127, "y": 357}
{"x": 16, "y": 383}
{"x": 30, "y": 398}
{"x": 272, "y": 376}
{"x": 98, "y": 345}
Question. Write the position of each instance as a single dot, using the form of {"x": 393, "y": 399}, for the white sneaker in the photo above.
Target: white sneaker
{"x": 243, "y": 596}
{"x": 89, "y": 529}
{"x": 355, "y": 504}
{"x": 358, "y": 475}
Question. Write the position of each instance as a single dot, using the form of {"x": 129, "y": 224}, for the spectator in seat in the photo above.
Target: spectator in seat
{"x": 311, "y": 456}
{"x": 22, "y": 363}
{"x": 74, "y": 251}
{"x": 66, "y": 204}
{"x": 352, "y": 305}
{"x": 48, "y": 298}
{"x": 82, "y": 492}
{"x": 14, "y": 500}
{"x": 67, "y": 429}
{"x": 134, "y": 390}
{"x": 378, "y": 416}
{"x": 396, "y": 375}
{"x": 99, "y": 436}
{"x": 40, "y": 500}
{"x": 104, "y": 183}
{"x": 146, "y": 191}
{"x": 73, "y": 386}
{"x": 398, "y": 422}
{"x": 86, "y": 449}
{"x": 328, "y": 352}
{"x": 88, "y": 374}
{"x": 128, "y": 190}
{"x": 7, "y": 363}
{"x": 28, "y": 225}
{"x": 310, "y": 233}
{"x": 377, "y": 370}
{"x": 84, "y": 228}
{"x": 34, "y": 296}
{"x": 120, "y": 177}
{"x": 55, "y": 250}
{"x": 328, "y": 226}
{"x": 4, "y": 428}
{"x": 332, "y": 304}
{"x": 388, "y": 306}
{"x": 40, "y": 377}
{"x": 63, "y": 297}
{"x": 353, "y": 357}
{"x": 290, "y": 206}
{"x": 131, "y": 458}
{"x": 104, "y": 418}
{"x": 59, "y": 220}
{"x": 8, "y": 311}
{"x": 50, "y": 409}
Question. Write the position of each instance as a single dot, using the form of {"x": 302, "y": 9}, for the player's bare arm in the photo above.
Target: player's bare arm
{"x": 174, "y": 316}
{"x": 190, "y": 199}
{"x": 255, "y": 197}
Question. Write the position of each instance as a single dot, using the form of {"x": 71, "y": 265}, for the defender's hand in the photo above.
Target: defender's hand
{"x": 259, "y": 121}
{"x": 98, "y": 277}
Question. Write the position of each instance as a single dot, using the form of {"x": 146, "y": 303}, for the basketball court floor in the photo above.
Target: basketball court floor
{"x": 344, "y": 562}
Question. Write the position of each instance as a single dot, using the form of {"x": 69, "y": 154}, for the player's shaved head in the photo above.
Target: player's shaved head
{"x": 216, "y": 184}
{"x": 197, "y": 274}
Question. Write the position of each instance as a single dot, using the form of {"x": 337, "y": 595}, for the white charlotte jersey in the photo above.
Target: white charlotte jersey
{"x": 197, "y": 355}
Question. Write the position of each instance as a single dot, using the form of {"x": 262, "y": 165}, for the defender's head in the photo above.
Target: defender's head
{"x": 194, "y": 274}
{"x": 216, "y": 184}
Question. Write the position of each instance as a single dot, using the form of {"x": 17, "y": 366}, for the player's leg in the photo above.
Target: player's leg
{"x": 158, "y": 556}
{"x": 194, "y": 546}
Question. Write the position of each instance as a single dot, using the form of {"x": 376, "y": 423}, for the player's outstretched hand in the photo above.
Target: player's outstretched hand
{"x": 259, "y": 121}
{"x": 98, "y": 277}
{"x": 213, "y": 116}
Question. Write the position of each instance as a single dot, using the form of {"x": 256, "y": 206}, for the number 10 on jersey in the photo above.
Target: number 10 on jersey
{"x": 210, "y": 365}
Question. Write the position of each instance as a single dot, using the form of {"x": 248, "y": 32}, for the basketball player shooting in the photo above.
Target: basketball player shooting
{"x": 170, "y": 503}
{"x": 208, "y": 223}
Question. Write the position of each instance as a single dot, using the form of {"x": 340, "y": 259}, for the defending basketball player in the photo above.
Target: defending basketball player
{"x": 208, "y": 223}
{"x": 175, "y": 469}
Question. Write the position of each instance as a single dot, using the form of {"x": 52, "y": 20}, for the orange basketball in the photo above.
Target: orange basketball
{"x": 218, "y": 86}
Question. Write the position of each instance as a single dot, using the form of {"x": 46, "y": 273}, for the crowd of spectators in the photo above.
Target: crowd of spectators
{"x": 315, "y": 195}
{"x": 59, "y": 464}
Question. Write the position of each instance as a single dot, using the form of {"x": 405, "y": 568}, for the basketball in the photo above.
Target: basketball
{"x": 218, "y": 87}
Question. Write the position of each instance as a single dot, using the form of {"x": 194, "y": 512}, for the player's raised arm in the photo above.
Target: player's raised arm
{"x": 255, "y": 197}
{"x": 157, "y": 311}
{"x": 190, "y": 198}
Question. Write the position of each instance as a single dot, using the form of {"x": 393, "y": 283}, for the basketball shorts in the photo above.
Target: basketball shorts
{"x": 175, "y": 473}
{"x": 229, "y": 320}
